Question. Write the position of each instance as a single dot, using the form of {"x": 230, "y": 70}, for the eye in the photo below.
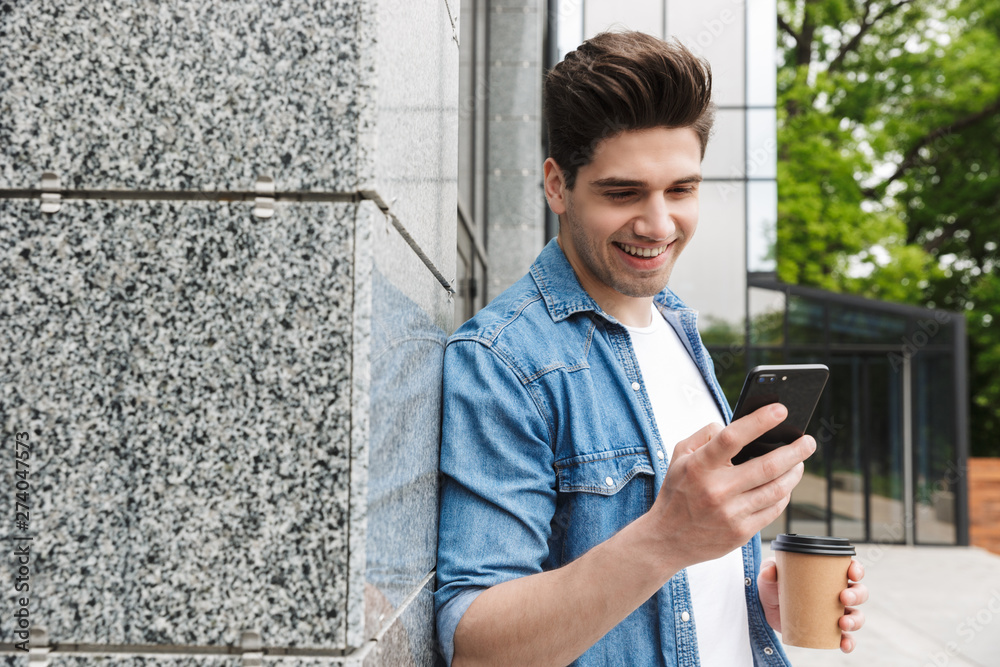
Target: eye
{"x": 620, "y": 196}
{"x": 684, "y": 189}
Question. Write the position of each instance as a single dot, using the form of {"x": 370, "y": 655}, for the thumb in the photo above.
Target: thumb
{"x": 768, "y": 572}
{"x": 767, "y": 591}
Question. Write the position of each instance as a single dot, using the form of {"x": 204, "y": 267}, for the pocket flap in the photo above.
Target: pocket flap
{"x": 604, "y": 473}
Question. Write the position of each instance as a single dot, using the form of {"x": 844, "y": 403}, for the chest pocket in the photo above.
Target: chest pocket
{"x": 603, "y": 473}
{"x": 598, "y": 495}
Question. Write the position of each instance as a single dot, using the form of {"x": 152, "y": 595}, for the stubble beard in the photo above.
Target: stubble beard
{"x": 592, "y": 258}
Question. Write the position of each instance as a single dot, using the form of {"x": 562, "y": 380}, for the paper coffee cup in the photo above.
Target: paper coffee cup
{"x": 812, "y": 571}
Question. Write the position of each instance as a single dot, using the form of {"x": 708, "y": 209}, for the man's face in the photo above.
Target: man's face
{"x": 631, "y": 211}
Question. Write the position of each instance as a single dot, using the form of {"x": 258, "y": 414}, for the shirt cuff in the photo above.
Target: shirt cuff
{"x": 448, "y": 617}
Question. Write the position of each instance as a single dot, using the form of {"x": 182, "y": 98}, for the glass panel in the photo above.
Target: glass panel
{"x": 762, "y": 40}
{"x": 569, "y": 17}
{"x": 714, "y": 29}
{"x": 600, "y": 15}
{"x": 884, "y": 435}
{"x": 759, "y": 357}
{"x": 725, "y": 344}
{"x": 711, "y": 274}
{"x": 936, "y": 476}
{"x": 730, "y": 368}
{"x": 808, "y": 509}
{"x": 767, "y": 316}
{"x": 724, "y": 155}
{"x": 841, "y": 443}
{"x": 806, "y": 321}
{"x": 762, "y": 143}
{"x": 934, "y": 328}
{"x": 762, "y": 225}
{"x": 851, "y": 324}
{"x": 464, "y": 257}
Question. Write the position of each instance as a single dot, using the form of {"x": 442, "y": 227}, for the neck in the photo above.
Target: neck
{"x": 630, "y": 311}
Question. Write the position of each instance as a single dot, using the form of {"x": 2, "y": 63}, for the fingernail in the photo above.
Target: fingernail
{"x": 777, "y": 410}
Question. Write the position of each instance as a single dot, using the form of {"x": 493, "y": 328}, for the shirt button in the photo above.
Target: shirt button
{"x": 609, "y": 481}
{"x": 746, "y": 582}
{"x": 768, "y": 650}
{"x": 659, "y": 454}
{"x": 635, "y": 386}
{"x": 685, "y": 616}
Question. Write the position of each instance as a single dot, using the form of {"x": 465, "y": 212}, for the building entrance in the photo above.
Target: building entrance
{"x": 892, "y": 423}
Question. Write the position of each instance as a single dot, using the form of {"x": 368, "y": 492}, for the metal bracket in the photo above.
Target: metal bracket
{"x": 51, "y": 197}
{"x": 38, "y": 639}
{"x": 253, "y": 650}
{"x": 263, "y": 204}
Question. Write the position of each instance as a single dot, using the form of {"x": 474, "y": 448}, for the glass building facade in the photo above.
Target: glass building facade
{"x": 892, "y": 424}
{"x": 891, "y": 427}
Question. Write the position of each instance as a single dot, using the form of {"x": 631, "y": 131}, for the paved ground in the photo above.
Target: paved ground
{"x": 929, "y": 607}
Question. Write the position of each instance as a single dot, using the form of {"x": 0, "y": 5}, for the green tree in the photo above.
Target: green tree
{"x": 889, "y": 174}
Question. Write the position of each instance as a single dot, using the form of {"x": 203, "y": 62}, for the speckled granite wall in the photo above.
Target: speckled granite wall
{"x": 189, "y": 395}
{"x": 234, "y": 419}
{"x": 185, "y": 94}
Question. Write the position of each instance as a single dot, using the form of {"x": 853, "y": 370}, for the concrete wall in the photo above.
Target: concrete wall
{"x": 233, "y": 419}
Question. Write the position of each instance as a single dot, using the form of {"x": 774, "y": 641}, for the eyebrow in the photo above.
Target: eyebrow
{"x": 617, "y": 182}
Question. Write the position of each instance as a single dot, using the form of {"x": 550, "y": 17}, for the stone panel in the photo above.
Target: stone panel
{"x": 184, "y": 95}
{"x": 184, "y": 373}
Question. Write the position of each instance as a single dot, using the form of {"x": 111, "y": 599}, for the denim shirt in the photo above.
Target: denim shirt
{"x": 549, "y": 447}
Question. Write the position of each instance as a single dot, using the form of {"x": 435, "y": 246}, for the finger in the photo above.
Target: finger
{"x": 768, "y": 572}
{"x": 773, "y": 465}
{"x": 756, "y": 521}
{"x": 700, "y": 438}
{"x": 741, "y": 432}
{"x": 853, "y": 619}
{"x": 771, "y": 492}
{"x": 847, "y": 643}
{"x": 854, "y": 594}
{"x": 856, "y": 572}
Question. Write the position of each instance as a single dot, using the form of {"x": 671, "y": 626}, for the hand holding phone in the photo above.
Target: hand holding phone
{"x": 796, "y": 386}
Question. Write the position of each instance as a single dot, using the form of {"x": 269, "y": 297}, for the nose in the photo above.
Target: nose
{"x": 656, "y": 221}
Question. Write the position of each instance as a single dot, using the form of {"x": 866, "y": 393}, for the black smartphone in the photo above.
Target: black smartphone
{"x": 796, "y": 386}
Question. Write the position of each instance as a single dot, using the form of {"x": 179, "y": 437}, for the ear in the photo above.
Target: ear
{"x": 555, "y": 187}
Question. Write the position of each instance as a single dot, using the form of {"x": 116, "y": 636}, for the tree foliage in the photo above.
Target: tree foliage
{"x": 889, "y": 170}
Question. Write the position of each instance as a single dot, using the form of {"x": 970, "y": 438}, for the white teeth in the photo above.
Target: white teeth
{"x": 641, "y": 252}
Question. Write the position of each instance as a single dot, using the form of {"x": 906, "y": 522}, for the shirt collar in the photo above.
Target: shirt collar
{"x": 564, "y": 295}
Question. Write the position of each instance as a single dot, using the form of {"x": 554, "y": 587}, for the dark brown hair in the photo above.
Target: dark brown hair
{"x": 618, "y": 81}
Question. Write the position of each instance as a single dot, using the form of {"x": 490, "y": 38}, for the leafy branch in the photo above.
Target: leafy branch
{"x": 852, "y": 44}
{"x": 913, "y": 157}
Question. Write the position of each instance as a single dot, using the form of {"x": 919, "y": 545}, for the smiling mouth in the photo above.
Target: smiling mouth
{"x": 642, "y": 252}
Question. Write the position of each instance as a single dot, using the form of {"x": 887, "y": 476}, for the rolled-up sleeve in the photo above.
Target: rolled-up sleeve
{"x": 498, "y": 482}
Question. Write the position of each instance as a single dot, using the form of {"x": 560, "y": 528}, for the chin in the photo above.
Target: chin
{"x": 643, "y": 291}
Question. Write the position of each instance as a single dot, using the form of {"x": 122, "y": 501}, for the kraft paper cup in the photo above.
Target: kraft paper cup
{"x": 812, "y": 571}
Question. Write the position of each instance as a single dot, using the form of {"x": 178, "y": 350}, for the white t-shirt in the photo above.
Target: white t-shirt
{"x": 682, "y": 405}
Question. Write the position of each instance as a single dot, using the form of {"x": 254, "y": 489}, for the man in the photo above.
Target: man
{"x": 589, "y": 510}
